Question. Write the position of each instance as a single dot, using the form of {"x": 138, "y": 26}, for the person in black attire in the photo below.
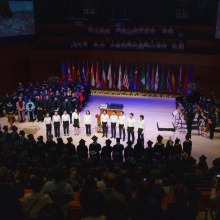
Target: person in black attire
{"x": 177, "y": 148}
{"x": 9, "y": 108}
{"x": 47, "y": 105}
{"x": 22, "y": 138}
{"x": 96, "y": 147}
{"x": 168, "y": 150}
{"x": 14, "y": 134}
{"x": 107, "y": 150}
{"x": 190, "y": 117}
{"x": 138, "y": 149}
{"x": 56, "y": 105}
{"x": 66, "y": 106}
{"x": 212, "y": 126}
{"x": 39, "y": 106}
{"x": 6, "y": 135}
{"x": 82, "y": 150}
{"x": 50, "y": 145}
{"x": 60, "y": 145}
{"x": 159, "y": 148}
{"x": 70, "y": 146}
{"x": 128, "y": 151}
{"x": 148, "y": 153}
{"x": 187, "y": 145}
{"x": 118, "y": 151}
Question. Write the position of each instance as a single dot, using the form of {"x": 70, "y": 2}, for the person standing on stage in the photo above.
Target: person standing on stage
{"x": 56, "y": 124}
{"x": 76, "y": 121}
{"x": 20, "y": 106}
{"x": 39, "y": 106}
{"x": 104, "y": 121}
{"x": 130, "y": 126}
{"x": 88, "y": 122}
{"x": 141, "y": 127}
{"x": 114, "y": 122}
{"x": 30, "y": 110}
{"x": 47, "y": 121}
{"x": 212, "y": 121}
{"x": 66, "y": 122}
{"x": 190, "y": 117}
{"x": 121, "y": 121}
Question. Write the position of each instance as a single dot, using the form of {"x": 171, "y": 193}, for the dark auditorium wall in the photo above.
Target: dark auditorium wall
{"x": 14, "y": 66}
{"x": 206, "y": 67}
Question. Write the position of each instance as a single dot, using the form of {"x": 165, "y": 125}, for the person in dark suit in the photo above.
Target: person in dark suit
{"x": 14, "y": 134}
{"x": 117, "y": 150}
{"x": 107, "y": 150}
{"x": 70, "y": 146}
{"x": 187, "y": 145}
{"x": 128, "y": 151}
{"x": 82, "y": 150}
{"x": 39, "y": 106}
{"x": 190, "y": 117}
{"x": 148, "y": 154}
{"x": 138, "y": 149}
{"x": 96, "y": 147}
{"x": 159, "y": 148}
{"x": 212, "y": 126}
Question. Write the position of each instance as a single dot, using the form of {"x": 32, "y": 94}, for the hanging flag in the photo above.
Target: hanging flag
{"x": 131, "y": 79}
{"x": 173, "y": 84}
{"x": 69, "y": 72}
{"x": 135, "y": 78}
{"x": 92, "y": 76}
{"x": 156, "y": 79}
{"x": 73, "y": 73}
{"x": 97, "y": 76}
{"x": 162, "y": 79}
{"x": 114, "y": 80}
{"x": 63, "y": 77}
{"x": 152, "y": 80}
{"x": 143, "y": 79}
{"x": 125, "y": 79}
{"x": 87, "y": 73}
{"x": 103, "y": 77}
{"x": 119, "y": 78}
{"x": 180, "y": 80}
{"x": 83, "y": 74}
{"x": 168, "y": 80}
{"x": 109, "y": 77}
{"x": 78, "y": 78}
{"x": 147, "y": 78}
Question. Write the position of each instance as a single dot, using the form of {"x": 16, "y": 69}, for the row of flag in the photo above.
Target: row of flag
{"x": 163, "y": 78}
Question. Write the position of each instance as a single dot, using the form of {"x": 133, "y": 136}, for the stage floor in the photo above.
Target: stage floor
{"x": 154, "y": 110}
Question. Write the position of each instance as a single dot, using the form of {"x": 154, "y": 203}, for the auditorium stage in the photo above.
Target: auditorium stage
{"x": 154, "y": 110}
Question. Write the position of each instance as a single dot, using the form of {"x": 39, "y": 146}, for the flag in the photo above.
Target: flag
{"x": 156, "y": 79}
{"x": 109, "y": 77}
{"x": 69, "y": 72}
{"x": 119, "y": 78}
{"x": 73, "y": 73}
{"x": 87, "y": 73}
{"x": 97, "y": 76}
{"x": 162, "y": 79}
{"x": 131, "y": 80}
{"x": 147, "y": 83}
{"x": 78, "y": 78}
{"x": 125, "y": 79}
{"x": 63, "y": 77}
{"x": 92, "y": 76}
{"x": 168, "y": 80}
{"x": 152, "y": 79}
{"x": 114, "y": 80}
{"x": 135, "y": 78}
{"x": 83, "y": 74}
{"x": 173, "y": 80}
{"x": 180, "y": 80}
{"x": 190, "y": 78}
{"x": 143, "y": 78}
{"x": 103, "y": 77}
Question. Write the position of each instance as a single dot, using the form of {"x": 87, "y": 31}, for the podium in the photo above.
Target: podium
{"x": 109, "y": 112}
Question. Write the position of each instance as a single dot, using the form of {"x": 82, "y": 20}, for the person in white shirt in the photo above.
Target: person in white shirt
{"x": 104, "y": 121}
{"x": 130, "y": 126}
{"x": 88, "y": 122}
{"x": 56, "y": 123}
{"x": 141, "y": 127}
{"x": 121, "y": 126}
{"x": 66, "y": 123}
{"x": 114, "y": 122}
{"x": 47, "y": 122}
{"x": 76, "y": 121}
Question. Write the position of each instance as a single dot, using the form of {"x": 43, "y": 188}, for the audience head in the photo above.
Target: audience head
{"x": 3, "y": 174}
{"x": 36, "y": 183}
{"x": 110, "y": 180}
